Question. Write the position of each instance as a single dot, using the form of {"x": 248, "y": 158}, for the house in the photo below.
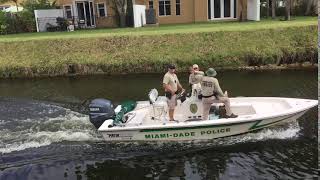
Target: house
{"x": 102, "y": 13}
{"x": 4, "y": 6}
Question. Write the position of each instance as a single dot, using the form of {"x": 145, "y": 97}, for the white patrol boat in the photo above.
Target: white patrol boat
{"x": 148, "y": 120}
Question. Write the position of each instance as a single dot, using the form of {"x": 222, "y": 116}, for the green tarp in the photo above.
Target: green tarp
{"x": 126, "y": 107}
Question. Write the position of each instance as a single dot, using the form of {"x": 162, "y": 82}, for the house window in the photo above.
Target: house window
{"x": 68, "y": 12}
{"x": 164, "y": 8}
{"x": 101, "y": 9}
{"x": 151, "y": 4}
{"x": 178, "y": 5}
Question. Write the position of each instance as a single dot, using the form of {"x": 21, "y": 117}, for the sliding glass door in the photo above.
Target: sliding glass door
{"x": 85, "y": 13}
{"x": 222, "y": 9}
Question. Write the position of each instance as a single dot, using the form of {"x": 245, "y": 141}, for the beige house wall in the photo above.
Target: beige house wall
{"x": 63, "y": 2}
{"x": 190, "y": 11}
{"x": 201, "y": 10}
{"x": 186, "y": 12}
{"x": 141, "y": 2}
{"x": 110, "y": 20}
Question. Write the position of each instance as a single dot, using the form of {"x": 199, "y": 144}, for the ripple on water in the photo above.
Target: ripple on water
{"x": 53, "y": 124}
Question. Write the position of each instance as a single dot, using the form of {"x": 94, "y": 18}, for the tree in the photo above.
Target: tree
{"x": 273, "y": 8}
{"x": 121, "y": 7}
{"x": 311, "y": 4}
{"x": 242, "y": 6}
{"x": 268, "y": 8}
{"x": 288, "y": 7}
{"x": 31, "y": 5}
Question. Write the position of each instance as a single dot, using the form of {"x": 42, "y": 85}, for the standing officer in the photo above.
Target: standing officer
{"x": 171, "y": 85}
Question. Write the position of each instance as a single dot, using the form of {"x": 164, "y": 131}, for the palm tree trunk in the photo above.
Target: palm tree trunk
{"x": 288, "y": 7}
{"x": 16, "y": 2}
{"x": 121, "y": 6}
{"x": 273, "y": 8}
{"x": 268, "y": 8}
{"x": 309, "y": 6}
{"x": 241, "y": 14}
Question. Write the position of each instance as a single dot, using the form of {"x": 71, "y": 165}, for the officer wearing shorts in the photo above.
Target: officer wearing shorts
{"x": 171, "y": 85}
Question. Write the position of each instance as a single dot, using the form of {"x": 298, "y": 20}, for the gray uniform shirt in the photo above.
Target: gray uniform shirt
{"x": 209, "y": 85}
{"x": 194, "y": 77}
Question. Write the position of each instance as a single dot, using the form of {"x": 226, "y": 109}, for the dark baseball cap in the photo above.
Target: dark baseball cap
{"x": 171, "y": 66}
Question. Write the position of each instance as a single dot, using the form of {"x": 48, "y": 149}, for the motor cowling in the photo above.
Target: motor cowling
{"x": 99, "y": 111}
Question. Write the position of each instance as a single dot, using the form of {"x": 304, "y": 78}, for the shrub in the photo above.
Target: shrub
{"x": 3, "y": 23}
{"x": 31, "y": 5}
{"x": 27, "y": 21}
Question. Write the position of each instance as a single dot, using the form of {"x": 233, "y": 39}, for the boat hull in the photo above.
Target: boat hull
{"x": 200, "y": 132}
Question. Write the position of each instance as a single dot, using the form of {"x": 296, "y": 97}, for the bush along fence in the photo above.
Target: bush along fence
{"x": 150, "y": 54}
{"x": 23, "y": 21}
{"x": 16, "y": 23}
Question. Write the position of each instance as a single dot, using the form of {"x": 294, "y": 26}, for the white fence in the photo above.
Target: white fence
{"x": 46, "y": 16}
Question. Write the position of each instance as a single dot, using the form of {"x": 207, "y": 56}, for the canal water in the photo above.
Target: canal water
{"x": 45, "y": 132}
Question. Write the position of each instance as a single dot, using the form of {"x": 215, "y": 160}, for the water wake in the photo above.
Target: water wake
{"x": 54, "y": 124}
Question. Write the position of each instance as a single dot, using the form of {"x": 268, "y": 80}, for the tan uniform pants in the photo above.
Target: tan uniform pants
{"x": 207, "y": 102}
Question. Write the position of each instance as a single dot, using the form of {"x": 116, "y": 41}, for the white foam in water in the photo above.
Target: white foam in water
{"x": 46, "y": 138}
{"x": 289, "y": 132}
{"x": 72, "y": 126}
{"x": 65, "y": 136}
{"x": 21, "y": 146}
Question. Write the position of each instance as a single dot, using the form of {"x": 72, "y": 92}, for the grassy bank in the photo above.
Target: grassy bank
{"x": 224, "y": 45}
{"x": 212, "y": 26}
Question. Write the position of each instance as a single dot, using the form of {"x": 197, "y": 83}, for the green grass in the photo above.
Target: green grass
{"x": 166, "y": 29}
{"x": 224, "y": 45}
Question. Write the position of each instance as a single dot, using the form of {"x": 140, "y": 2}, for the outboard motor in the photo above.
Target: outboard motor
{"x": 99, "y": 111}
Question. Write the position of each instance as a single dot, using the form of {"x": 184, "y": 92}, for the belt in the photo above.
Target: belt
{"x": 207, "y": 96}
